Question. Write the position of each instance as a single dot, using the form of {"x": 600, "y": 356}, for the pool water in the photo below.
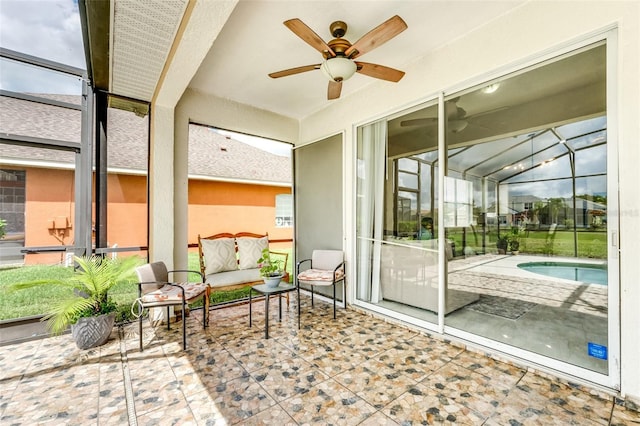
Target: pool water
{"x": 583, "y": 272}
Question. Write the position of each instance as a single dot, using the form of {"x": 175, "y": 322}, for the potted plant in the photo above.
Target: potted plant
{"x": 514, "y": 245}
{"x": 271, "y": 270}
{"x": 87, "y": 308}
{"x": 502, "y": 243}
{"x": 514, "y": 240}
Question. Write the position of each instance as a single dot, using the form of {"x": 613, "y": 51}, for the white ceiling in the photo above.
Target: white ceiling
{"x": 254, "y": 42}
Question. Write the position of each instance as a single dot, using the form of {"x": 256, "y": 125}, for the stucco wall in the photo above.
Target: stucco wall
{"x": 216, "y": 207}
{"x": 48, "y": 194}
{"x": 531, "y": 31}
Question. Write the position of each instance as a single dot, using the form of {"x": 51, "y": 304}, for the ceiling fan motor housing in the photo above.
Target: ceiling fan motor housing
{"x": 338, "y": 45}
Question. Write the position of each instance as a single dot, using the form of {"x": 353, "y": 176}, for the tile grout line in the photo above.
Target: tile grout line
{"x": 128, "y": 387}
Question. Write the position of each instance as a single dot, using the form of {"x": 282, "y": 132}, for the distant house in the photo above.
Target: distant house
{"x": 535, "y": 211}
{"x": 233, "y": 186}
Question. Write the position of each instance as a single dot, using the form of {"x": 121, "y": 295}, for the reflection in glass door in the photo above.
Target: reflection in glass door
{"x": 526, "y": 208}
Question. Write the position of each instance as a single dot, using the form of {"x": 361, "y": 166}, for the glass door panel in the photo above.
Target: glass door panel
{"x": 397, "y": 248}
{"x": 526, "y": 211}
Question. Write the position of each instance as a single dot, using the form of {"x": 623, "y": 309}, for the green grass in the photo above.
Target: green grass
{"x": 591, "y": 244}
{"x": 37, "y": 301}
{"x": 33, "y": 301}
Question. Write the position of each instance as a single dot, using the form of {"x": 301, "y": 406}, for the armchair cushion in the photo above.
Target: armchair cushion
{"x": 219, "y": 255}
{"x": 250, "y": 250}
{"x": 172, "y": 294}
{"x": 321, "y": 276}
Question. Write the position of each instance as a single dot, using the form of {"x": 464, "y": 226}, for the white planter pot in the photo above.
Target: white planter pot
{"x": 273, "y": 281}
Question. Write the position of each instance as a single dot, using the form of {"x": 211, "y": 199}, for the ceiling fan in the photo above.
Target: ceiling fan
{"x": 339, "y": 54}
{"x": 457, "y": 118}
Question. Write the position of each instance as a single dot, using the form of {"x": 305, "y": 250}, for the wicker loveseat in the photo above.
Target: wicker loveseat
{"x": 230, "y": 261}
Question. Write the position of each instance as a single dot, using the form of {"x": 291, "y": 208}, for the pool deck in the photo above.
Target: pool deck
{"x": 499, "y": 275}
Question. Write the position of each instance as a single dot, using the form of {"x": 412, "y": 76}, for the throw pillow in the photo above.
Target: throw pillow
{"x": 250, "y": 250}
{"x": 219, "y": 255}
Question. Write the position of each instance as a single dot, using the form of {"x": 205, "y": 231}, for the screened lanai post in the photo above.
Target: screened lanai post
{"x": 101, "y": 169}
{"x": 572, "y": 165}
{"x": 372, "y": 181}
{"x": 84, "y": 174}
{"x": 572, "y": 161}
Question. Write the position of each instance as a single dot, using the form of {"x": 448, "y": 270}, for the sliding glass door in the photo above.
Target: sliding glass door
{"x": 526, "y": 209}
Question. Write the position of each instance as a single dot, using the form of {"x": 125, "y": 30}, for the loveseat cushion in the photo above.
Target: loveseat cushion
{"x": 239, "y": 276}
{"x": 219, "y": 255}
{"x": 250, "y": 250}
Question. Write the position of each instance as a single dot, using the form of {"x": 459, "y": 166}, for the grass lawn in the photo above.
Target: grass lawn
{"x": 591, "y": 244}
{"x": 37, "y": 301}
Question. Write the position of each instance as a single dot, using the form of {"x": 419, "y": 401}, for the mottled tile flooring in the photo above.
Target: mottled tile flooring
{"x": 356, "y": 370}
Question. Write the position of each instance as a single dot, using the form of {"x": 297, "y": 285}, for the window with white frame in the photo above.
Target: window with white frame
{"x": 284, "y": 211}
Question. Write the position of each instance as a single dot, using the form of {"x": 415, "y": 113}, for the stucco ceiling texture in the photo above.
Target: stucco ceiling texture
{"x": 254, "y": 42}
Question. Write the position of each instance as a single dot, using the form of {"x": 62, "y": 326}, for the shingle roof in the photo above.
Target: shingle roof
{"x": 211, "y": 154}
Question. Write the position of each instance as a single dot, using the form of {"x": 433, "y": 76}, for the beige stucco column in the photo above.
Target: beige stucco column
{"x": 161, "y": 186}
{"x": 168, "y": 173}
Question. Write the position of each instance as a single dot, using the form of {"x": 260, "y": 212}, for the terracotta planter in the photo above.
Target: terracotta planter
{"x": 90, "y": 332}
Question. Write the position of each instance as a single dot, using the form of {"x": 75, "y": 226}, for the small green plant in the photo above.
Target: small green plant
{"x": 514, "y": 238}
{"x": 86, "y": 290}
{"x": 268, "y": 266}
{"x": 3, "y": 228}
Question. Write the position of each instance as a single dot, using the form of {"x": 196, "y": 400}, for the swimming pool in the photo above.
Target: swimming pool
{"x": 583, "y": 272}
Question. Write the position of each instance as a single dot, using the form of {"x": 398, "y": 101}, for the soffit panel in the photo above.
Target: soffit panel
{"x": 143, "y": 33}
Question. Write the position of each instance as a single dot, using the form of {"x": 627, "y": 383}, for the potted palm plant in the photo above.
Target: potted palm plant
{"x": 271, "y": 270}
{"x": 87, "y": 308}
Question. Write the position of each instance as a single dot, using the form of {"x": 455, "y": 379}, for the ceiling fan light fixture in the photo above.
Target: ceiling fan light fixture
{"x": 338, "y": 68}
{"x": 491, "y": 88}
{"x": 457, "y": 125}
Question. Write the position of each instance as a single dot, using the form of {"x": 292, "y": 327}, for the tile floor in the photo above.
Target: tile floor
{"x": 355, "y": 370}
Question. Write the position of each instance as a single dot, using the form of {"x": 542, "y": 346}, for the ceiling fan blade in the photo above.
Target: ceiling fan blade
{"x": 380, "y": 71}
{"x": 491, "y": 111}
{"x": 296, "y": 70}
{"x": 301, "y": 29}
{"x": 333, "y": 92}
{"x": 377, "y": 36}
{"x": 418, "y": 122}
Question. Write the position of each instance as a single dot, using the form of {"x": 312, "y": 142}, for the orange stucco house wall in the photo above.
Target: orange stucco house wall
{"x": 214, "y": 207}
